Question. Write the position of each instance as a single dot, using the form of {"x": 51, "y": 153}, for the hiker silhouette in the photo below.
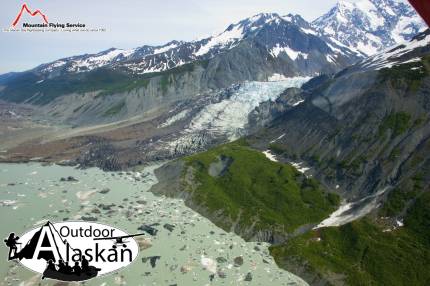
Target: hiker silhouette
{"x": 51, "y": 265}
{"x": 11, "y": 242}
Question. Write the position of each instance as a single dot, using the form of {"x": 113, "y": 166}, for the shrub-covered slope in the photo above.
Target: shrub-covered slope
{"x": 241, "y": 190}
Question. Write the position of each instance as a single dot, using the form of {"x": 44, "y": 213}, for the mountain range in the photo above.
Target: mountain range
{"x": 252, "y": 49}
{"x": 148, "y": 59}
{"x": 359, "y": 28}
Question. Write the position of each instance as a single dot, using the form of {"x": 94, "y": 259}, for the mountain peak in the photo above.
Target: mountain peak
{"x": 343, "y": 4}
{"x": 263, "y": 16}
{"x": 369, "y": 26}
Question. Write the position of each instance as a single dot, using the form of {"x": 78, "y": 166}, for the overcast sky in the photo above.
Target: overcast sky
{"x": 129, "y": 24}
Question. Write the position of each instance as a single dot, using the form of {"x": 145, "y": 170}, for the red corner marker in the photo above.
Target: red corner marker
{"x": 423, "y": 8}
{"x": 25, "y": 8}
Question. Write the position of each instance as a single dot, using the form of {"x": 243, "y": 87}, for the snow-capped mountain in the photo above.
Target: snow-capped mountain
{"x": 281, "y": 36}
{"x": 408, "y": 53}
{"x": 369, "y": 26}
{"x": 88, "y": 62}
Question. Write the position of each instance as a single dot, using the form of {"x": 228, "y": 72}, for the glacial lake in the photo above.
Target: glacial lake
{"x": 195, "y": 249}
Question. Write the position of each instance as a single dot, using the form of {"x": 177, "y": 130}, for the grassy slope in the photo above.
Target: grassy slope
{"x": 364, "y": 253}
{"x": 272, "y": 195}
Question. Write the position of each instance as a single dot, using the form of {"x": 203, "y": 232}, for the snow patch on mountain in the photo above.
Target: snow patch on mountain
{"x": 393, "y": 56}
{"x": 404, "y": 27}
{"x": 369, "y": 26}
{"x": 57, "y": 64}
{"x": 99, "y": 60}
{"x": 371, "y": 12}
{"x": 222, "y": 40}
{"x": 165, "y": 48}
{"x": 292, "y": 54}
{"x": 349, "y": 212}
{"x": 309, "y": 31}
{"x": 269, "y": 155}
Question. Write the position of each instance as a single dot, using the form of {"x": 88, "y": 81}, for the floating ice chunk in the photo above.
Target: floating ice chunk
{"x": 84, "y": 196}
{"x": 7, "y": 203}
{"x": 209, "y": 264}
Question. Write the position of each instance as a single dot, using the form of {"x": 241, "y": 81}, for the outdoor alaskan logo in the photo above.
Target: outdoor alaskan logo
{"x": 73, "y": 251}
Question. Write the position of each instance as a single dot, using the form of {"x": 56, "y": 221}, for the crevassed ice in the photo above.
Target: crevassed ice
{"x": 175, "y": 118}
{"x": 230, "y": 116}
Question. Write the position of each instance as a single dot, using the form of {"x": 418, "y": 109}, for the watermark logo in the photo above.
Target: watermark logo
{"x": 73, "y": 251}
{"x": 25, "y": 8}
{"x": 39, "y": 23}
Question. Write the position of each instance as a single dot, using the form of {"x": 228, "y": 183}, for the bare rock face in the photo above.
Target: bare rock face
{"x": 269, "y": 110}
{"x": 361, "y": 128}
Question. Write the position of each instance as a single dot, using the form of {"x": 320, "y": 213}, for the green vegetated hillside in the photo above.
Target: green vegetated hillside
{"x": 364, "y": 252}
{"x": 240, "y": 183}
{"x": 236, "y": 182}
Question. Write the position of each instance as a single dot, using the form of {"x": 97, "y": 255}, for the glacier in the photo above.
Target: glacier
{"x": 228, "y": 118}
